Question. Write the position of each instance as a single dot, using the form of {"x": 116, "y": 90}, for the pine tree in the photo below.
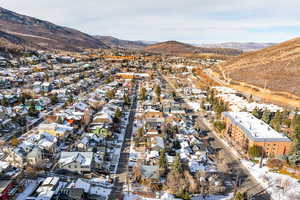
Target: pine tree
{"x": 162, "y": 162}
{"x": 255, "y": 151}
{"x": 296, "y": 120}
{"x": 140, "y": 133}
{"x": 118, "y": 114}
{"x": 276, "y": 121}
{"x": 4, "y": 101}
{"x": 158, "y": 91}
{"x": 177, "y": 166}
{"x": 32, "y": 109}
{"x": 256, "y": 113}
{"x": 266, "y": 116}
{"x": 54, "y": 99}
{"x": 126, "y": 99}
{"x": 143, "y": 94}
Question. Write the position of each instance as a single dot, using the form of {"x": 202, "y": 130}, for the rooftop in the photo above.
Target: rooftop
{"x": 255, "y": 129}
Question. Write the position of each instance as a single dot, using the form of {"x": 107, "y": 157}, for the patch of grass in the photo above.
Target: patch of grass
{"x": 254, "y": 161}
{"x": 285, "y": 172}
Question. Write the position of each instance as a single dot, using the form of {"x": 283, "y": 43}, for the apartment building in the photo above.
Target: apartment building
{"x": 245, "y": 130}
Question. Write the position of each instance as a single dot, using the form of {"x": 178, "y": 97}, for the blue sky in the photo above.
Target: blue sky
{"x": 195, "y": 21}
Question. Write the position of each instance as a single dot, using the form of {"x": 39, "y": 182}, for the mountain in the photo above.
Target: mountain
{"x": 43, "y": 34}
{"x": 118, "y": 43}
{"x": 276, "y": 68}
{"x": 174, "y": 47}
{"x": 247, "y": 46}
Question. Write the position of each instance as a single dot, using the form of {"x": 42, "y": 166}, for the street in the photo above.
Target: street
{"x": 247, "y": 182}
{"x": 122, "y": 170}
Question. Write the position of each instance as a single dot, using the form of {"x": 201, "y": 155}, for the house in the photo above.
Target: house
{"x": 71, "y": 194}
{"x": 35, "y": 156}
{"x": 37, "y": 86}
{"x": 47, "y": 189}
{"x": 80, "y": 162}
{"x": 47, "y": 142}
{"x": 6, "y": 186}
{"x": 102, "y": 118}
{"x": 150, "y": 172}
{"x": 57, "y": 130}
{"x": 153, "y": 115}
{"x": 176, "y": 108}
{"x": 157, "y": 143}
{"x": 46, "y": 87}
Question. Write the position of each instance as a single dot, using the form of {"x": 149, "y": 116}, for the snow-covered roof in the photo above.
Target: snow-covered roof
{"x": 83, "y": 185}
{"x": 84, "y": 158}
{"x": 254, "y": 128}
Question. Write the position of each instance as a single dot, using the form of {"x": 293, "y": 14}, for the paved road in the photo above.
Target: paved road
{"x": 122, "y": 170}
{"x": 248, "y": 182}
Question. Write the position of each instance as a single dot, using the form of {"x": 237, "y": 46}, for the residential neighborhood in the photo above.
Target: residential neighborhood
{"x": 116, "y": 124}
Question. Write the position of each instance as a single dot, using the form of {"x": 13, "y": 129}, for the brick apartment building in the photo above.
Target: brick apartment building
{"x": 245, "y": 130}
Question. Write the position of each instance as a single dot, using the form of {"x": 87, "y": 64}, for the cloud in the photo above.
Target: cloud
{"x": 188, "y": 20}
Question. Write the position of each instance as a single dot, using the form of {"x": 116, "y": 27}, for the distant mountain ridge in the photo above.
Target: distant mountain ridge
{"x": 119, "y": 43}
{"x": 246, "y": 46}
{"x": 175, "y": 47}
{"x": 44, "y": 35}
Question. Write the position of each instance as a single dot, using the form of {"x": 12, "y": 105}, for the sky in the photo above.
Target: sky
{"x": 192, "y": 21}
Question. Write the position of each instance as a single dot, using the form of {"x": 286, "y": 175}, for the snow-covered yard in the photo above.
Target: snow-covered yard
{"x": 279, "y": 186}
{"x": 31, "y": 186}
{"x": 167, "y": 196}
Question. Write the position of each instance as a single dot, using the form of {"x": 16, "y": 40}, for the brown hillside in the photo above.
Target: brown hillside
{"x": 174, "y": 47}
{"x": 43, "y": 34}
{"x": 276, "y": 68}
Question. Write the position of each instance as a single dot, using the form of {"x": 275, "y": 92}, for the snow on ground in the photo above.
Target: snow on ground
{"x": 281, "y": 186}
{"x": 31, "y": 186}
{"x": 214, "y": 197}
{"x": 266, "y": 178}
{"x": 167, "y": 196}
{"x": 194, "y": 105}
{"x": 97, "y": 190}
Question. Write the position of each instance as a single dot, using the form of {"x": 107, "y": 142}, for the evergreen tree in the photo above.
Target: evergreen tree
{"x": 143, "y": 94}
{"x": 32, "y": 109}
{"x": 177, "y": 166}
{"x": 266, "y": 116}
{"x": 255, "y": 151}
{"x": 162, "y": 162}
{"x": 157, "y": 91}
{"x": 140, "y": 133}
{"x": 296, "y": 120}
{"x": 4, "y": 101}
{"x": 54, "y": 99}
{"x": 256, "y": 113}
{"x": 276, "y": 121}
{"x": 126, "y": 99}
{"x": 287, "y": 122}
{"x": 70, "y": 100}
{"x": 118, "y": 114}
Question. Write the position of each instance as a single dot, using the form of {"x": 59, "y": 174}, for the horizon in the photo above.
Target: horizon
{"x": 199, "y": 22}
